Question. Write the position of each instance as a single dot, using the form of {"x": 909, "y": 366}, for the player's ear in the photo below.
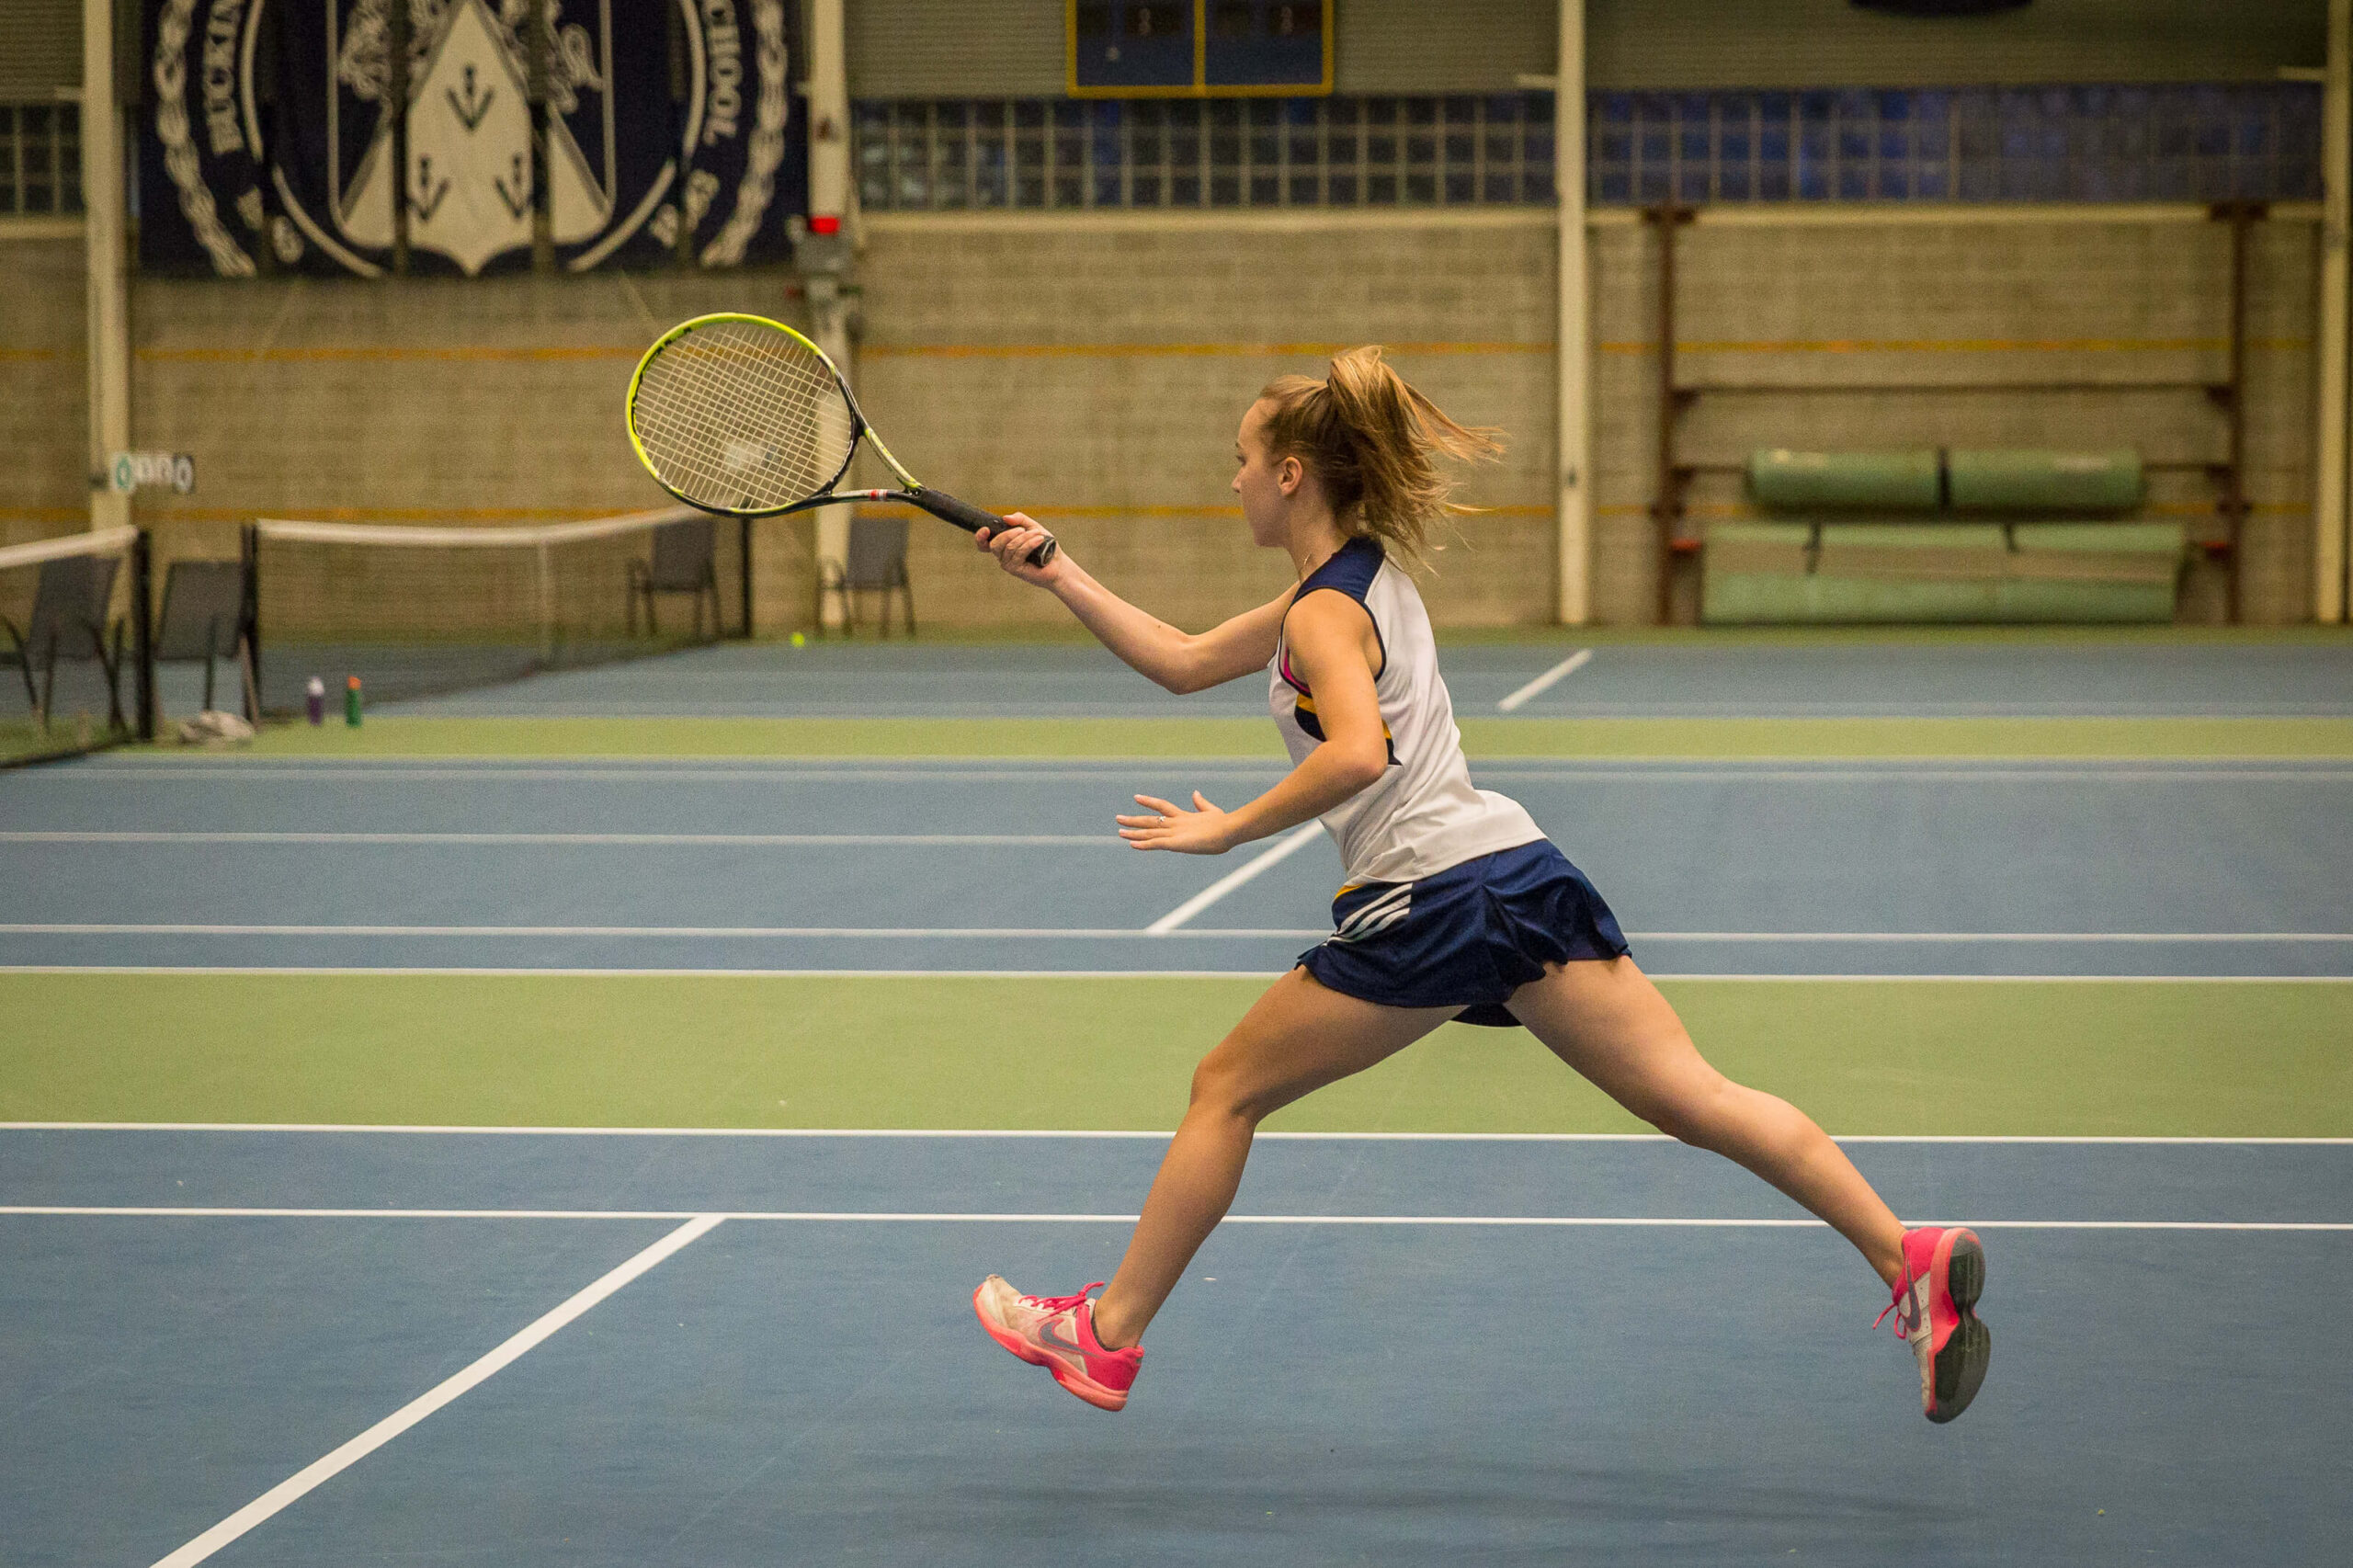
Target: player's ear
{"x": 1289, "y": 474}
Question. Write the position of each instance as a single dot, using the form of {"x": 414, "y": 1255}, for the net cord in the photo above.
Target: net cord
{"x": 540, "y": 537}
{"x": 97, "y": 542}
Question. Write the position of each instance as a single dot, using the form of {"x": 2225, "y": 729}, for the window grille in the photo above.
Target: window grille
{"x": 2193, "y": 143}
{"x": 40, "y": 159}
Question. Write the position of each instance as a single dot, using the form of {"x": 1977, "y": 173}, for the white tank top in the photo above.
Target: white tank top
{"x": 1422, "y": 815}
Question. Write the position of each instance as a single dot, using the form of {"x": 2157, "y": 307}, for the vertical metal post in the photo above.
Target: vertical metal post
{"x": 108, "y": 296}
{"x": 539, "y": 45}
{"x": 1666, "y": 507}
{"x": 826, "y": 256}
{"x": 142, "y": 634}
{"x": 249, "y": 615}
{"x": 397, "y": 43}
{"x": 2330, "y": 546}
{"x": 2242, "y": 215}
{"x": 1573, "y": 365}
{"x": 744, "y": 565}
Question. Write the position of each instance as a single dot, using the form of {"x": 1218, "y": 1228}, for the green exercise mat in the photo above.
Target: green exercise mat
{"x": 2014, "y": 480}
{"x": 1779, "y": 477}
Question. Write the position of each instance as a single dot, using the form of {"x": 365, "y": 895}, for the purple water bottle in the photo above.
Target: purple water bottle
{"x": 316, "y": 700}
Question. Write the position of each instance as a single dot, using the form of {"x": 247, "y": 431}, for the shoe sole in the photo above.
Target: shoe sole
{"x": 1961, "y": 1365}
{"x": 1092, "y": 1392}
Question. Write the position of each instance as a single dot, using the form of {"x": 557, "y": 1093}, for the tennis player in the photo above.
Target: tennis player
{"x": 1456, "y": 906}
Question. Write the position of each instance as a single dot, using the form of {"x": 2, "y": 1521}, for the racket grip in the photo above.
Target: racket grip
{"x": 973, "y": 519}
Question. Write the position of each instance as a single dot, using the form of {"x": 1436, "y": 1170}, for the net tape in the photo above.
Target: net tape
{"x": 97, "y": 542}
{"x": 740, "y": 417}
{"x": 535, "y": 535}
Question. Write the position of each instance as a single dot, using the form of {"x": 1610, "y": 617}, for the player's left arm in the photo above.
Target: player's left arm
{"x": 1335, "y": 648}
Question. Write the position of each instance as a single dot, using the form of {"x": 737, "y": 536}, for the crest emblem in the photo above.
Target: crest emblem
{"x": 632, "y": 171}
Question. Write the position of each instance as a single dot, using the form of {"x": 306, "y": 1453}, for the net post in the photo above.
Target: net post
{"x": 743, "y": 569}
{"x": 249, "y": 616}
{"x": 142, "y": 633}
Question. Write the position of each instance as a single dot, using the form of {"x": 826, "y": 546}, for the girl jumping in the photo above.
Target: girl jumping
{"x": 1455, "y": 904}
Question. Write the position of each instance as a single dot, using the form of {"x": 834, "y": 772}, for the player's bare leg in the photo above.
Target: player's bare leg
{"x": 1299, "y": 1037}
{"x": 1606, "y": 1019}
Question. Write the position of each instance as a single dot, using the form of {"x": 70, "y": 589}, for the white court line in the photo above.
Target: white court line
{"x": 1155, "y": 1134}
{"x": 1169, "y": 924}
{"x": 856, "y": 1217}
{"x": 1261, "y": 975}
{"x": 1283, "y": 849}
{"x": 1565, "y": 667}
{"x": 1106, "y": 840}
{"x": 302, "y": 1481}
{"x": 700, "y": 933}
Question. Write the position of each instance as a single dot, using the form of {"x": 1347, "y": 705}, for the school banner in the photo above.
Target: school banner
{"x": 266, "y": 141}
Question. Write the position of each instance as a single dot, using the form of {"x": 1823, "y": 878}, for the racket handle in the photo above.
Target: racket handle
{"x": 973, "y": 519}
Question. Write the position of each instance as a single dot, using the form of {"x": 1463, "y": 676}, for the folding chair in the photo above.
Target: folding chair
{"x": 878, "y": 561}
{"x": 685, "y": 562}
{"x": 69, "y": 622}
{"x": 204, "y": 618}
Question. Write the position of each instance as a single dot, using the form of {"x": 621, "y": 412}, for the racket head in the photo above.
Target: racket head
{"x": 743, "y": 415}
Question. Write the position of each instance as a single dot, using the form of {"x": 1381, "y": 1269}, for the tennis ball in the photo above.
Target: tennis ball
{"x": 799, "y": 640}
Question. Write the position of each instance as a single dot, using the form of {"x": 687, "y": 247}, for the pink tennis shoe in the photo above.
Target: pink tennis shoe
{"x": 1943, "y": 1273}
{"x": 1057, "y": 1334}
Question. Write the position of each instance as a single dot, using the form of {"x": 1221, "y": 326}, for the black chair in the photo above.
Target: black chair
{"x": 68, "y": 623}
{"x": 878, "y": 562}
{"x": 686, "y": 561}
{"x": 204, "y": 618}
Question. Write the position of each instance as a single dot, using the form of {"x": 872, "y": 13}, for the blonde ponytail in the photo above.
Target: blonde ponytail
{"x": 1373, "y": 444}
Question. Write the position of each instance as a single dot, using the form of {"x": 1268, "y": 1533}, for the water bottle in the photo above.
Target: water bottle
{"x": 317, "y": 700}
{"x": 351, "y": 702}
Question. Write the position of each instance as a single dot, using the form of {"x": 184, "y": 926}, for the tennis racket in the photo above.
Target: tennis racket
{"x": 743, "y": 416}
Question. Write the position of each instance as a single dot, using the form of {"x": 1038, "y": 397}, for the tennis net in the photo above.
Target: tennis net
{"x": 74, "y": 641}
{"x": 429, "y": 611}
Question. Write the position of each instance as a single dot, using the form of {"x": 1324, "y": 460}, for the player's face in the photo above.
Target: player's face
{"x": 1259, "y": 482}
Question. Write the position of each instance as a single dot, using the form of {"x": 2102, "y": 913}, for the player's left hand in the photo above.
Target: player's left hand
{"x": 1205, "y": 830}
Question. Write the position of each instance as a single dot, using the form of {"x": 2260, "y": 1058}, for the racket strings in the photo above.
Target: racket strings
{"x": 738, "y": 415}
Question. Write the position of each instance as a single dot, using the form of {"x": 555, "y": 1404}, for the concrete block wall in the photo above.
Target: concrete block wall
{"x": 1091, "y": 371}
{"x": 484, "y": 401}
{"x": 44, "y": 391}
{"x": 1907, "y": 303}
{"x": 1092, "y": 367}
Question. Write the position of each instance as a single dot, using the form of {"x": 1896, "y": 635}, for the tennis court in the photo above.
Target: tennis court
{"x": 540, "y": 1126}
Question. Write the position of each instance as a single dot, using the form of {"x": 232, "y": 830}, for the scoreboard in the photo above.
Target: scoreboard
{"x": 1195, "y": 48}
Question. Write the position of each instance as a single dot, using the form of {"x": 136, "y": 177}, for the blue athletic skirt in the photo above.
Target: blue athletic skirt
{"x": 1467, "y": 936}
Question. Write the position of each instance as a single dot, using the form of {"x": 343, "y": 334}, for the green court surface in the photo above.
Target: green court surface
{"x": 1918, "y": 1057}
{"x": 389, "y": 736}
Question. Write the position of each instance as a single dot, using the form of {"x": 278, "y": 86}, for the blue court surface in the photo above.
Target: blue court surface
{"x": 251, "y": 1345}
{"x": 1896, "y": 868}
{"x": 1400, "y": 1350}
{"x": 1760, "y": 680}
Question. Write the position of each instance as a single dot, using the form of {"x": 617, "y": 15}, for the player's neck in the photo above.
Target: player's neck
{"x": 1315, "y": 539}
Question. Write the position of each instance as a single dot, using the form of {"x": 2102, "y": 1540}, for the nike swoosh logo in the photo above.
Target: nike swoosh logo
{"x": 1046, "y": 1334}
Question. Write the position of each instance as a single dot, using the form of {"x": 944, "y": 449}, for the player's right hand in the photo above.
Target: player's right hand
{"x": 1012, "y": 544}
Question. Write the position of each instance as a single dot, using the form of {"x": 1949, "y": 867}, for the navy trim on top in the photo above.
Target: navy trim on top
{"x": 1350, "y": 570}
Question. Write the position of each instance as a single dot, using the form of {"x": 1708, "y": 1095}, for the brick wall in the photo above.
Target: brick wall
{"x": 1907, "y": 302}
{"x": 44, "y": 391}
{"x": 483, "y": 401}
{"x": 1093, "y": 371}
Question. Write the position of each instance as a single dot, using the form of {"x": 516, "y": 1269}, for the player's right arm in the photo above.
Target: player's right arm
{"x": 1179, "y": 661}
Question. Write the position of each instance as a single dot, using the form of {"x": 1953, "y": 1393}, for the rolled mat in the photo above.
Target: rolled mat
{"x": 1779, "y": 477}
{"x": 2148, "y": 553}
{"x": 2022, "y": 480}
{"x": 1778, "y": 548}
{"x": 1919, "y": 552}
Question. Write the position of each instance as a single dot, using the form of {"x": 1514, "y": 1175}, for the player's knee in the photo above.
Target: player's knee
{"x": 1218, "y": 1086}
{"x": 1696, "y": 1113}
